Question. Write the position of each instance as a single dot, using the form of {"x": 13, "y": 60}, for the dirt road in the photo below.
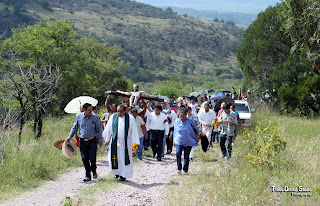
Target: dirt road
{"x": 147, "y": 187}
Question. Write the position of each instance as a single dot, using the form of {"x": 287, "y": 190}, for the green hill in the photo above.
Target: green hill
{"x": 158, "y": 44}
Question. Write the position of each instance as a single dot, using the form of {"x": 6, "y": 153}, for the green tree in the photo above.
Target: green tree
{"x": 264, "y": 46}
{"x": 87, "y": 66}
{"x": 17, "y": 8}
{"x": 230, "y": 23}
{"x": 301, "y": 22}
{"x": 237, "y": 74}
{"x": 45, "y": 4}
{"x": 268, "y": 62}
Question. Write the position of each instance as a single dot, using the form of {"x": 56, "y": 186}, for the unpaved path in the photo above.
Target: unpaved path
{"x": 68, "y": 184}
{"x": 147, "y": 187}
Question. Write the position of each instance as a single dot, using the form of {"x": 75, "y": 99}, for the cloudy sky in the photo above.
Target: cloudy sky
{"x": 252, "y": 6}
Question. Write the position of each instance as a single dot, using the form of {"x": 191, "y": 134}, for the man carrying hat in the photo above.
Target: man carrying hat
{"x": 90, "y": 132}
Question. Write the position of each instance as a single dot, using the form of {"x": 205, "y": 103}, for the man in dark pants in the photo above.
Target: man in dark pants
{"x": 90, "y": 132}
{"x": 228, "y": 121}
{"x": 158, "y": 127}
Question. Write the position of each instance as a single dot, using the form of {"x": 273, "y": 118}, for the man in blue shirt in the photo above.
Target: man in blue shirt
{"x": 90, "y": 132}
{"x": 185, "y": 136}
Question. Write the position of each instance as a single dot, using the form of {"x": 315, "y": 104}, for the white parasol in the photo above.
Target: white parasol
{"x": 74, "y": 105}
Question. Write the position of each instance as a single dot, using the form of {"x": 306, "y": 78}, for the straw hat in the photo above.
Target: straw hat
{"x": 58, "y": 144}
{"x": 68, "y": 149}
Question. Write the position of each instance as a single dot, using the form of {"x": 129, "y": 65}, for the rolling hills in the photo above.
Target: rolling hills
{"x": 158, "y": 44}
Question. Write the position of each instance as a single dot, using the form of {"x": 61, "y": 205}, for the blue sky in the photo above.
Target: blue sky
{"x": 251, "y": 6}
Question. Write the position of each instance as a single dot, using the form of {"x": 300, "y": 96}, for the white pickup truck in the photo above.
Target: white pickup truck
{"x": 243, "y": 108}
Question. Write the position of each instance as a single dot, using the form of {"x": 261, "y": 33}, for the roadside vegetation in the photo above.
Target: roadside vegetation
{"x": 239, "y": 182}
{"x": 36, "y": 161}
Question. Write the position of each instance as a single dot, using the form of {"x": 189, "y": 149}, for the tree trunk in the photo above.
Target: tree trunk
{"x": 35, "y": 120}
{"x": 21, "y": 122}
{"x": 313, "y": 108}
{"x": 39, "y": 125}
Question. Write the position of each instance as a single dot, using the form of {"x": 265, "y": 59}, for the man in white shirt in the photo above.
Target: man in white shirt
{"x": 185, "y": 101}
{"x": 147, "y": 142}
{"x": 194, "y": 106}
{"x": 166, "y": 109}
{"x": 206, "y": 118}
{"x": 158, "y": 127}
{"x": 171, "y": 119}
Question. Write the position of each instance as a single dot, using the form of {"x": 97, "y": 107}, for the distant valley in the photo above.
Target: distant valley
{"x": 240, "y": 19}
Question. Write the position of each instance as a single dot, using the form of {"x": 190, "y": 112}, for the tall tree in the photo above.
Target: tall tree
{"x": 268, "y": 62}
{"x": 87, "y": 66}
{"x": 264, "y": 46}
{"x": 302, "y": 23}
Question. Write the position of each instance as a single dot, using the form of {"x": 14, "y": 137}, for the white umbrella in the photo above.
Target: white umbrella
{"x": 195, "y": 94}
{"x": 165, "y": 98}
{"x": 74, "y": 105}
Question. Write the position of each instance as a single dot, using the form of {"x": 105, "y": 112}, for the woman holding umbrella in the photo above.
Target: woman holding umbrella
{"x": 186, "y": 135}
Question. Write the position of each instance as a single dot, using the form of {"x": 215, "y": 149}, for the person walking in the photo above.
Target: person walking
{"x": 123, "y": 132}
{"x": 165, "y": 110}
{"x": 90, "y": 133}
{"x": 204, "y": 98}
{"x": 215, "y": 135}
{"x": 141, "y": 127}
{"x": 194, "y": 106}
{"x": 228, "y": 121}
{"x": 159, "y": 128}
{"x": 186, "y": 135}
{"x": 206, "y": 118}
{"x": 171, "y": 119}
{"x": 196, "y": 120}
{"x": 232, "y": 107}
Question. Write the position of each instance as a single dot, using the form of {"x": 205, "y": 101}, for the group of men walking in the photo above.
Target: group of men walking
{"x": 152, "y": 125}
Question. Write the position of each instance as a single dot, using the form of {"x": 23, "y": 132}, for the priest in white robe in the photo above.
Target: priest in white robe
{"x": 120, "y": 138}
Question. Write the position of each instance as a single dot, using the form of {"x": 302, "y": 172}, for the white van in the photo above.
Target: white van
{"x": 243, "y": 108}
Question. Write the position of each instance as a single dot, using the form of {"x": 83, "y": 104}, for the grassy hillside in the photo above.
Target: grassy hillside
{"x": 158, "y": 44}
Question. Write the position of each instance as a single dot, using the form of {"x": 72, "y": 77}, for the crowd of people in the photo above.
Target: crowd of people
{"x": 156, "y": 126}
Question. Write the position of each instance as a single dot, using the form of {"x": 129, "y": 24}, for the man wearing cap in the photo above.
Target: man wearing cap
{"x": 228, "y": 121}
{"x": 122, "y": 132}
{"x": 90, "y": 132}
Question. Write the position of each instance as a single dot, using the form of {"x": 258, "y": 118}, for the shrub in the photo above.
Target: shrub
{"x": 264, "y": 144}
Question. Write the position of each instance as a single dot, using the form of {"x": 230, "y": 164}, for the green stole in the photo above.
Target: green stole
{"x": 114, "y": 148}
